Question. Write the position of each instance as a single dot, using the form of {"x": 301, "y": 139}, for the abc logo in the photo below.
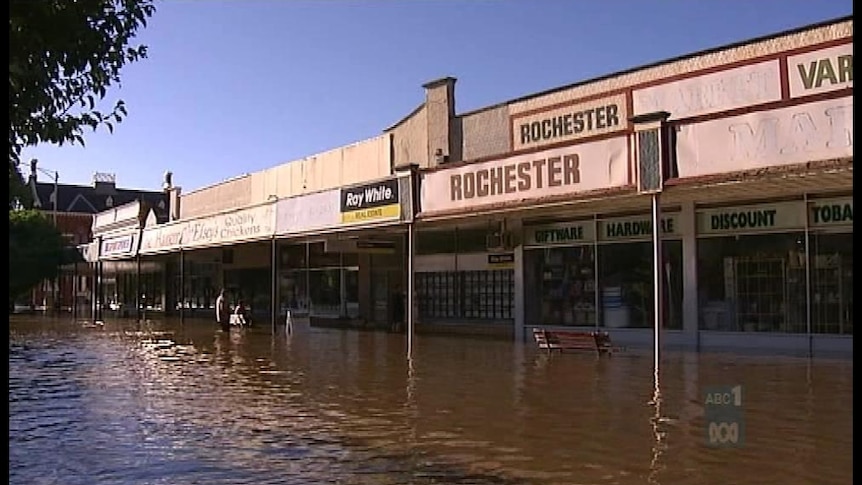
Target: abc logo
{"x": 723, "y": 433}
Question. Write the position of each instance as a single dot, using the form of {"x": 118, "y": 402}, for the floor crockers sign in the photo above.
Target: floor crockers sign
{"x": 371, "y": 202}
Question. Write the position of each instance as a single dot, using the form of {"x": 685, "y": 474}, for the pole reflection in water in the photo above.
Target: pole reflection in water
{"x": 171, "y": 403}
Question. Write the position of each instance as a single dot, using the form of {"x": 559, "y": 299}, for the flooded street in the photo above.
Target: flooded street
{"x": 164, "y": 403}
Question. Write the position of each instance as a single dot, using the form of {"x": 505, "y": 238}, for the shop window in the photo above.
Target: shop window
{"x": 466, "y": 295}
{"x": 626, "y": 295}
{"x": 831, "y": 283}
{"x": 560, "y": 286}
{"x": 752, "y": 283}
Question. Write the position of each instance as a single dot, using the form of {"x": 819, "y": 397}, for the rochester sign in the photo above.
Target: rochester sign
{"x": 568, "y": 123}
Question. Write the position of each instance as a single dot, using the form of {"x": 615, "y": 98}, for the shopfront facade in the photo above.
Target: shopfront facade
{"x": 341, "y": 253}
{"x": 195, "y": 258}
{"x": 756, "y": 210}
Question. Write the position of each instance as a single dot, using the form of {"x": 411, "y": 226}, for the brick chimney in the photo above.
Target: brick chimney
{"x": 105, "y": 183}
{"x": 440, "y": 106}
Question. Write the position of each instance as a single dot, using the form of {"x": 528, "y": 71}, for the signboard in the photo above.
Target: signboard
{"x": 821, "y": 71}
{"x": 236, "y": 226}
{"x": 814, "y": 131}
{"x": 308, "y": 212}
{"x": 753, "y": 218}
{"x": 568, "y": 233}
{"x": 573, "y": 122}
{"x": 360, "y": 246}
{"x": 504, "y": 260}
{"x": 119, "y": 246}
{"x": 559, "y": 171}
{"x": 831, "y": 212}
{"x": 371, "y": 202}
{"x": 637, "y": 227}
{"x": 712, "y": 93}
{"x": 165, "y": 237}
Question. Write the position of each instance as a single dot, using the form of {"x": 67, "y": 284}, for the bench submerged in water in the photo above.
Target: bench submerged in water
{"x": 599, "y": 342}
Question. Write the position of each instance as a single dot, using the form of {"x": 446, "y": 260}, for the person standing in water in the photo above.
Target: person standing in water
{"x": 222, "y": 313}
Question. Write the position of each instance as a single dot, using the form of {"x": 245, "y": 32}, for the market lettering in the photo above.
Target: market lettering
{"x": 516, "y": 177}
{"x": 615, "y": 230}
{"x": 834, "y": 70}
{"x": 832, "y": 213}
{"x": 752, "y": 219}
{"x": 570, "y": 124}
{"x": 803, "y": 131}
{"x": 573, "y": 233}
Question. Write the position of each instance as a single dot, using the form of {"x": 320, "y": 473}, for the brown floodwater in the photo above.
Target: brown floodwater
{"x": 169, "y": 403}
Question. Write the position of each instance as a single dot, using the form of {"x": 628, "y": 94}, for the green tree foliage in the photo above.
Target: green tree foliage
{"x": 35, "y": 250}
{"x": 63, "y": 56}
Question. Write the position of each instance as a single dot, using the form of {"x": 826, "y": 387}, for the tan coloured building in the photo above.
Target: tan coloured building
{"x": 529, "y": 214}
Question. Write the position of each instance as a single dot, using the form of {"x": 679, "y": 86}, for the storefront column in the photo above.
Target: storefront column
{"x": 75, "y": 292}
{"x": 101, "y": 291}
{"x": 690, "y": 309}
{"x": 410, "y": 287}
{"x": 520, "y": 310}
{"x": 274, "y": 284}
{"x": 808, "y": 280}
{"x": 182, "y": 285}
{"x": 138, "y": 289}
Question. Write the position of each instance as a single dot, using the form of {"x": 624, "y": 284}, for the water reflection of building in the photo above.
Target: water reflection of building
{"x": 527, "y": 212}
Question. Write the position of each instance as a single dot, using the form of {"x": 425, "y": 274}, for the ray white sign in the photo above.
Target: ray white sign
{"x": 712, "y": 93}
{"x": 821, "y": 71}
{"x": 559, "y": 171}
{"x": 808, "y": 132}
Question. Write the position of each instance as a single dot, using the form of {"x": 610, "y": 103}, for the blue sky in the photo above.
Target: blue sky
{"x": 236, "y": 86}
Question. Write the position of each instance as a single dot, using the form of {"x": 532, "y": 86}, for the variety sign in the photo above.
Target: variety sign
{"x": 756, "y": 218}
{"x": 569, "y": 123}
{"x": 821, "y": 71}
{"x": 813, "y": 131}
{"x": 712, "y": 93}
{"x": 371, "y": 202}
{"x": 242, "y": 225}
{"x": 119, "y": 246}
{"x": 558, "y": 171}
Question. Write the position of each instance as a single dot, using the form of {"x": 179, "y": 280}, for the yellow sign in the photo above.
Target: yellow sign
{"x": 391, "y": 211}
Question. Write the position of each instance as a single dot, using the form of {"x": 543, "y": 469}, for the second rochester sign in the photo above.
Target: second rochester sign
{"x": 371, "y": 202}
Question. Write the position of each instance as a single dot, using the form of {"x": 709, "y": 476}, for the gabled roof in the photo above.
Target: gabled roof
{"x": 88, "y": 199}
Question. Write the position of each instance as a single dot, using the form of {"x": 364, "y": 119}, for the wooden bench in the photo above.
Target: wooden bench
{"x": 550, "y": 340}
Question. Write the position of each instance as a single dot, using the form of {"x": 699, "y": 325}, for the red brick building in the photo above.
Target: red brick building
{"x": 72, "y": 207}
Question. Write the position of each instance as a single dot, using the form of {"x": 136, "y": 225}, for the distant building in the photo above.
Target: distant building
{"x": 73, "y": 208}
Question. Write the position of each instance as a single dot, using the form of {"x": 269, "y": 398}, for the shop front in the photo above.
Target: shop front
{"x": 193, "y": 259}
{"x": 341, "y": 254}
{"x": 776, "y": 274}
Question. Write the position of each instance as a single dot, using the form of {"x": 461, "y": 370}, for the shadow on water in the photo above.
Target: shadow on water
{"x": 161, "y": 402}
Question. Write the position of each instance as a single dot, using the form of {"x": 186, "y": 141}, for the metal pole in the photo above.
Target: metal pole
{"x": 308, "y": 278}
{"x": 182, "y": 286}
{"x": 75, "y": 291}
{"x": 808, "y": 280}
{"x": 101, "y": 290}
{"x": 274, "y": 285}
{"x": 138, "y": 290}
{"x": 657, "y": 289}
{"x": 56, "y": 195}
{"x": 410, "y": 278}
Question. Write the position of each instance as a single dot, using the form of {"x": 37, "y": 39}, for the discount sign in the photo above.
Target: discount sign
{"x": 725, "y": 426}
